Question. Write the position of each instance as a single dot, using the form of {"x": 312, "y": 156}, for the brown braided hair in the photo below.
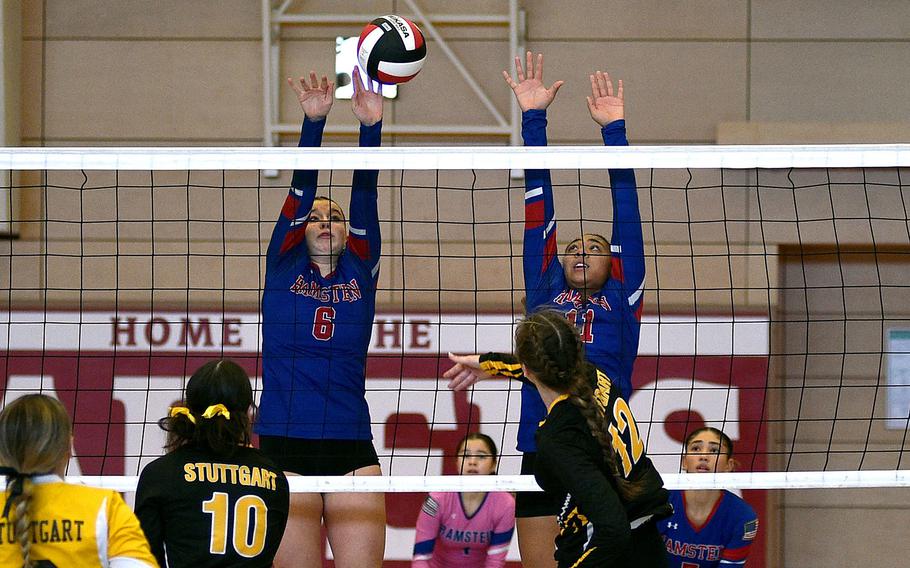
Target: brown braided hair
{"x": 35, "y": 437}
{"x": 550, "y": 347}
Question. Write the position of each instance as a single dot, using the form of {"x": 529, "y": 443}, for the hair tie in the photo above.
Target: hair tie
{"x": 217, "y": 410}
{"x": 15, "y": 482}
{"x": 178, "y": 410}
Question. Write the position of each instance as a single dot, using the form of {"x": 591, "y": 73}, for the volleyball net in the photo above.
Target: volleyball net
{"x": 777, "y": 304}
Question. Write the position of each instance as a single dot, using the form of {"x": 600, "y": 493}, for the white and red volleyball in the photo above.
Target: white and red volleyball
{"x": 391, "y": 49}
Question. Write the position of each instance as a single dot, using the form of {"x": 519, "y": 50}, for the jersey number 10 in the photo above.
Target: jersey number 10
{"x": 247, "y": 543}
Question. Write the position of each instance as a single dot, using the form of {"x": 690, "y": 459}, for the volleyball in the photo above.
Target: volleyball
{"x": 391, "y": 49}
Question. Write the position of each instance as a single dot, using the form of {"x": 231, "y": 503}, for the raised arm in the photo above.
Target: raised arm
{"x": 468, "y": 369}
{"x": 541, "y": 264}
{"x": 316, "y": 98}
{"x": 626, "y": 244}
{"x": 365, "y": 239}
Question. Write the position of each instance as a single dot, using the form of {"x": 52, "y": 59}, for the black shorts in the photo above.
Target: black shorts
{"x": 534, "y": 503}
{"x": 318, "y": 457}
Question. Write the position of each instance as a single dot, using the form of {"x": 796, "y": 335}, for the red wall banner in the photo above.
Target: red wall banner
{"x": 117, "y": 373}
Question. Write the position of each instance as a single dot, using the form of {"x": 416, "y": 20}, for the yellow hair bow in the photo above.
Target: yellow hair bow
{"x": 217, "y": 410}
{"x": 178, "y": 410}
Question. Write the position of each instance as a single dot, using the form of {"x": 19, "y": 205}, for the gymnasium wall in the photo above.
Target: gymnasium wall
{"x": 177, "y": 73}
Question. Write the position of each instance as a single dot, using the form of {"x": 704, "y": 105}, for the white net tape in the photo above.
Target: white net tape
{"x": 421, "y": 483}
{"x": 458, "y": 158}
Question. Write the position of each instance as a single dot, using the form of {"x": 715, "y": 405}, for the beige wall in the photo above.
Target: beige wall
{"x": 835, "y": 312}
{"x": 173, "y": 72}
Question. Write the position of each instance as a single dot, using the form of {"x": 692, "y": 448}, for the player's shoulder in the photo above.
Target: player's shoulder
{"x": 501, "y": 499}
{"x": 737, "y": 508}
{"x": 168, "y": 461}
{"x": 76, "y": 495}
{"x": 676, "y": 499}
{"x": 437, "y": 503}
{"x": 441, "y": 497}
{"x": 565, "y": 424}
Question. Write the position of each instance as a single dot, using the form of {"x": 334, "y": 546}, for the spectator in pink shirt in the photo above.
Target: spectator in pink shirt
{"x": 466, "y": 530}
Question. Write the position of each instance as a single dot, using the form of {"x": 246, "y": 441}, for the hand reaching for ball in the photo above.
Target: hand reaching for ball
{"x": 530, "y": 89}
{"x": 366, "y": 103}
{"x": 316, "y": 97}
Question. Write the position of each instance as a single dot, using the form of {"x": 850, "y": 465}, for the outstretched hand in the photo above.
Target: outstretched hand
{"x": 367, "y": 103}
{"x": 530, "y": 90}
{"x": 316, "y": 97}
{"x": 602, "y": 104}
{"x": 465, "y": 372}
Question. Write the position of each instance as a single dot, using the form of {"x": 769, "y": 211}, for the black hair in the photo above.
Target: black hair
{"x": 217, "y": 382}
{"x": 488, "y": 441}
{"x": 726, "y": 444}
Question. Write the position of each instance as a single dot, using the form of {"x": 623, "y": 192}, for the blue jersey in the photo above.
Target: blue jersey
{"x": 724, "y": 539}
{"x": 316, "y": 327}
{"x": 610, "y": 319}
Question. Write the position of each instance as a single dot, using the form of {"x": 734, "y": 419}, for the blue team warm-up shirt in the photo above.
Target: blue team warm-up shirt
{"x": 316, "y": 328}
{"x": 609, "y": 320}
{"x": 724, "y": 539}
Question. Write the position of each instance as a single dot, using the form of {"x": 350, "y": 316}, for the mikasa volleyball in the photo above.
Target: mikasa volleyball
{"x": 391, "y": 49}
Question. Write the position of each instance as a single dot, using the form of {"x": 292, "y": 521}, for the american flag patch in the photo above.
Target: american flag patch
{"x": 750, "y": 529}
{"x": 430, "y": 507}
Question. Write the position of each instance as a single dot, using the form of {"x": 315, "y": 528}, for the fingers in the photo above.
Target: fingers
{"x": 555, "y": 88}
{"x": 609, "y": 84}
{"x": 301, "y": 86}
{"x": 619, "y": 89}
{"x": 462, "y": 380}
{"x": 512, "y": 84}
{"x": 529, "y": 65}
{"x": 294, "y": 86}
{"x": 519, "y": 72}
{"x": 602, "y": 84}
{"x": 591, "y": 106}
{"x": 538, "y": 73}
{"x": 355, "y": 80}
{"x": 458, "y": 359}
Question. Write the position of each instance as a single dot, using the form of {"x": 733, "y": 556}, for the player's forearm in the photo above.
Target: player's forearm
{"x": 501, "y": 365}
{"x": 310, "y": 137}
{"x": 534, "y": 133}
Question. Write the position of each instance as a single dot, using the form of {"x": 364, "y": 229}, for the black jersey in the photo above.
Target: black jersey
{"x": 207, "y": 510}
{"x": 601, "y": 505}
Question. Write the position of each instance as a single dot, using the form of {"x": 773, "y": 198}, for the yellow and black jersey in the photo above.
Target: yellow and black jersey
{"x": 205, "y": 510}
{"x": 600, "y": 507}
{"x": 74, "y": 525}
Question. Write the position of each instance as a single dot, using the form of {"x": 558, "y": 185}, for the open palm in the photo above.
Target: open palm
{"x": 530, "y": 90}
{"x": 367, "y": 103}
{"x": 604, "y": 105}
{"x": 316, "y": 97}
